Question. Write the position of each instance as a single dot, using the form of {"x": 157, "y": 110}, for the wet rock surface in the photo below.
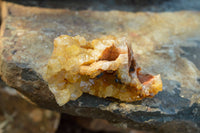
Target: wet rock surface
{"x": 164, "y": 43}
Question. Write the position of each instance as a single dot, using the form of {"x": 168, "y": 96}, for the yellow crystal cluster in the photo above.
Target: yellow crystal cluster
{"x": 103, "y": 67}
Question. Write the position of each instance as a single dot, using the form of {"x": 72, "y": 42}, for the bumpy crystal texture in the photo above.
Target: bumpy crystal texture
{"x": 104, "y": 67}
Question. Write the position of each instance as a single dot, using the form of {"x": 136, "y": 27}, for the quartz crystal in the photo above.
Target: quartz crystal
{"x": 103, "y": 67}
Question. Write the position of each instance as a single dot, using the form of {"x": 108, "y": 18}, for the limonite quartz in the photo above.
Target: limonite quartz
{"x": 103, "y": 67}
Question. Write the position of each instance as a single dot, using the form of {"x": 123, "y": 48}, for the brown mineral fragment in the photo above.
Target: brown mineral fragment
{"x": 104, "y": 67}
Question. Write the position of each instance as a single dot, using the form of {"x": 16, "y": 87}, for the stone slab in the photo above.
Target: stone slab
{"x": 162, "y": 43}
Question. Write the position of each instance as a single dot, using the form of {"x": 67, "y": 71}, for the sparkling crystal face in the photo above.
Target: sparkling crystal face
{"x": 104, "y": 67}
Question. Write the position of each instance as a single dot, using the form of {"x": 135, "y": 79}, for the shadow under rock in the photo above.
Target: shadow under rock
{"x": 68, "y": 124}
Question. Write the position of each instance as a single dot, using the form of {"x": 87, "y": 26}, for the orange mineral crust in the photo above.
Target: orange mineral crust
{"x": 104, "y": 67}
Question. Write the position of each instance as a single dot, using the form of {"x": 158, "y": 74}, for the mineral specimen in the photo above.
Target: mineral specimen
{"x": 104, "y": 67}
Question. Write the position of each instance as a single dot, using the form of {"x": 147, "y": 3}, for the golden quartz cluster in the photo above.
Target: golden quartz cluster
{"x": 103, "y": 67}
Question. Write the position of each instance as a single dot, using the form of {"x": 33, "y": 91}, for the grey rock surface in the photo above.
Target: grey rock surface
{"x": 164, "y": 43}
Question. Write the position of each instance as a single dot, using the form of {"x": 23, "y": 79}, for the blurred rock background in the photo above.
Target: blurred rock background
{"x": 19, "y": 116}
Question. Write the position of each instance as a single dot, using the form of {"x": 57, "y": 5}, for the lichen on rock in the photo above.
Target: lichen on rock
{"x": 103, "y": 67}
